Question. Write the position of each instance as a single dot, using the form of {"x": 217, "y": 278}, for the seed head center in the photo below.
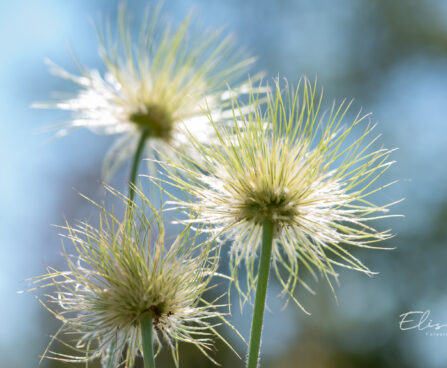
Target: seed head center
{"x": 155, "y": 119}
{"x": 278, "y": 206}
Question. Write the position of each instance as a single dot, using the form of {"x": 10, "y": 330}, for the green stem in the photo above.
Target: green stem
{"x": 147, "y": 337}
{"x": 261, "y": 292}
{"x": 135, "y": 163}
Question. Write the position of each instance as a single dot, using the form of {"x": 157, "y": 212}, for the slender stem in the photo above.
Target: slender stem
{"x": 147, "y": 337}
{"x": 136, "y": 162}
{"x": 261, "y": 292}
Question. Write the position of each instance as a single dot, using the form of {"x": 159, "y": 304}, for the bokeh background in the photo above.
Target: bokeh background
{"x": 390, "y": 55}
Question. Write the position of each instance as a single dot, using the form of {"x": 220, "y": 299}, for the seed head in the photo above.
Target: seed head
{"x": 122, "y": 271}
{"x": 304, "y": 171}
{"x": 159, "y": 84}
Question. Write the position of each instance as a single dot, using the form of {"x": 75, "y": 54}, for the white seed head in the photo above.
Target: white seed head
{"x": 161, "y": 83}
{"x": 306, "y": 172}
{"x": 121, "y": 271}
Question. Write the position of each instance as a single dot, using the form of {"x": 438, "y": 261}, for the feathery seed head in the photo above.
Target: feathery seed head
{"x": 122, "y": 271}
{"x": 158, "y": 84}
{"x": 306, "y": 172}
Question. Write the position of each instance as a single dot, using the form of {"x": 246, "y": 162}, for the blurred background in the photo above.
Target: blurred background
{"x": 390, "y": 55}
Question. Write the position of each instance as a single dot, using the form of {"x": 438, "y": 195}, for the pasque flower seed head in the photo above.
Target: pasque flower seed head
{"x": 121, "y": 271}
{"x": 307, "y": 172}
{"x": 158, "y": 84}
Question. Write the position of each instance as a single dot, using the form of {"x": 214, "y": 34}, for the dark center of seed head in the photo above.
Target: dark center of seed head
{"x": 261, "y": 206}
{"x": 158, "y": 309}
{"x": 155, "y": 120}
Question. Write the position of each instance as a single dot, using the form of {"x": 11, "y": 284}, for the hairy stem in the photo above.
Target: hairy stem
{"x": 135, "y": 164}
{"x": 261, "y": 292}
{"x": 147, "y": 337}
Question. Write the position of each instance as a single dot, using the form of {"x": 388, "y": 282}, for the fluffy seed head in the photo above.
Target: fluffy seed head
{"x": 121, "y": 271}
{"x": 305, "y": 171}
{"x": 158, "y": 84}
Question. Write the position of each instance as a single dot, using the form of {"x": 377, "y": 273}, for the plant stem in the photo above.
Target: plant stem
{"x": 135, "y": 163}
{"x": 147, "y": 337}
{"x": 261, "y": 292}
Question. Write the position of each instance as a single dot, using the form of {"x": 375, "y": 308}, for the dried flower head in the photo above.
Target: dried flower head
{"x": 157, "y": 85}
{"x": 305, "y": 172}
{"x": 122, "y": 271}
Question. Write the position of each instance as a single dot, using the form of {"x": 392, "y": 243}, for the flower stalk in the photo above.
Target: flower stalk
{"x": 148, "y": 343}
{"x": 261, "y": 292}
{"x": 135, "y": 164}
